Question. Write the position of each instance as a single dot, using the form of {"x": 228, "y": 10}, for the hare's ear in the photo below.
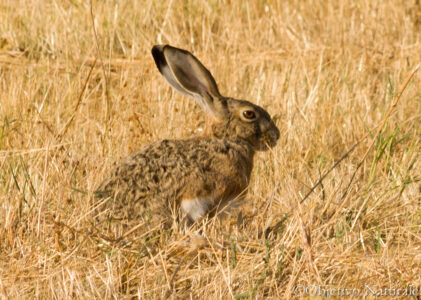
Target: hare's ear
{"x": 186, "y": 74}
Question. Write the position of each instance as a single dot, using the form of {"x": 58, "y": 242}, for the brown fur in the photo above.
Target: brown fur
{"x": 213, "y": 169}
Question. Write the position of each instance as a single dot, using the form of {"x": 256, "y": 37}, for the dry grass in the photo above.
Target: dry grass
{"x": 327, "y": 70}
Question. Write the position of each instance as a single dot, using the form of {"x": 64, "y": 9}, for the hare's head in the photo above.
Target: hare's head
{"x": 227, "y": 118}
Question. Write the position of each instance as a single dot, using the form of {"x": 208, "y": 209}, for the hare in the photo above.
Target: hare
{"x": 196, "y": 175}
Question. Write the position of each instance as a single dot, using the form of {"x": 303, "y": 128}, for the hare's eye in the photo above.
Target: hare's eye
{"x": 249, "y": 114}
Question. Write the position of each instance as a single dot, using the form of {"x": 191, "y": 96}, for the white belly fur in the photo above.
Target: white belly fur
{"x": 196, "y": 208}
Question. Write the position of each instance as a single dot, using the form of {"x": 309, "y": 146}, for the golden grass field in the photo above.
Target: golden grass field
{"x": 327, "y": 71}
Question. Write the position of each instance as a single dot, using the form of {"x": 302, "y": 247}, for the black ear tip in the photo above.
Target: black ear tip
{"x": 157, "y": 51}
{"x": 157, "y": 48}
{"x": 158, "y": 55}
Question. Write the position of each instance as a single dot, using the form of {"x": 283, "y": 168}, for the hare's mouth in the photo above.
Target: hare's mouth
{"x": 271, "y": 143}
{"x": 267, "y": 142}
{"x": 271, "y": 138}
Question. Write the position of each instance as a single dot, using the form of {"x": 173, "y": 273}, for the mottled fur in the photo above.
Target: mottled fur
{"x": 196, "y": 174}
